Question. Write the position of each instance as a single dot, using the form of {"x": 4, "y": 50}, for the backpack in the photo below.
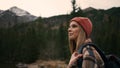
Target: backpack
{"x": 110, "y": 61}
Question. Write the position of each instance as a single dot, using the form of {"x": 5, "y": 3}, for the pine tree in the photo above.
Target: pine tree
{"x": 76, "y": 11}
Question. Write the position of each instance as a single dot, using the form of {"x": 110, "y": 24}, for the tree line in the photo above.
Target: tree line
{"x": 35, "y": 40}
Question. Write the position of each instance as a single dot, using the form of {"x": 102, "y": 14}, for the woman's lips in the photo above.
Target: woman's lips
{"x": 70, "y": 34}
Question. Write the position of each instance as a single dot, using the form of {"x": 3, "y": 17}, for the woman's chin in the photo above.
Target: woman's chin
{"x": 71, "y": 38}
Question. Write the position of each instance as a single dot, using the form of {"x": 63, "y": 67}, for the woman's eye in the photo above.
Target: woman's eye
{"x": 73, "y": 26}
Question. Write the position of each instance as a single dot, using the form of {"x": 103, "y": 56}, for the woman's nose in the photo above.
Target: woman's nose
{"x": 69, "y": 29}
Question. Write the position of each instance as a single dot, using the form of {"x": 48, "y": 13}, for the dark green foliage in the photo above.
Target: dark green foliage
{"x": 63, "y": 42}
{"x": 46, "y": 38}
{"x": 28, "y": 42}
{"x": 21, "y": 43}
{"x": 106, "y": 31}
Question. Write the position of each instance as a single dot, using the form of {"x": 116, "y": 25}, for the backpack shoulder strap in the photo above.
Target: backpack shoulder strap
{"x": 97, "y": 49}
{"x": 91, "y": 53}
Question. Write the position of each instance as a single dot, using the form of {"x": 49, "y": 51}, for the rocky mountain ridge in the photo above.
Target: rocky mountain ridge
{"x": 18, "y": 11}
{"x": 15, "y": 15}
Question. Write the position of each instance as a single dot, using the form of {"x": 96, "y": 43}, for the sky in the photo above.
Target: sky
{"x": 47, "y": 8}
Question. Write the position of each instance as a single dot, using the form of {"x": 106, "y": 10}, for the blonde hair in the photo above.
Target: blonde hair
{"x": 75, "y": 45}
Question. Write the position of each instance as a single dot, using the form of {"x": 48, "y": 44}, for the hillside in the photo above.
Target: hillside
{"x": 46, "y": 38}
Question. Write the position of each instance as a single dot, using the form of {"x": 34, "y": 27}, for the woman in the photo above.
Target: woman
{"x": 79, "y": 32}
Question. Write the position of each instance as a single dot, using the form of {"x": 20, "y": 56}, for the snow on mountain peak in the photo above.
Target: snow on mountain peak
{"x": 1, "y": 11}
{"x": 18, "y": 11}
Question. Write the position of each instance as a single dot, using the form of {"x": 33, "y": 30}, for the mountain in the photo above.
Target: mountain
{"x": 1, "y": 11}
{"x": 15, "y": 15}
{"x": 18, "y": 11}
{"x": 114, "y": 11}
{"x": 89, "y": 9}
{"x": 98, "y": 15}
{"x": 56, "y": 20}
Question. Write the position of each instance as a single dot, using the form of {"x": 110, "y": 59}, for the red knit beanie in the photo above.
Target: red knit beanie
{"x": 85, "y": 23}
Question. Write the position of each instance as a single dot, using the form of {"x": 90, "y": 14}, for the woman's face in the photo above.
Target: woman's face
{"x": 73, "y": 30}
